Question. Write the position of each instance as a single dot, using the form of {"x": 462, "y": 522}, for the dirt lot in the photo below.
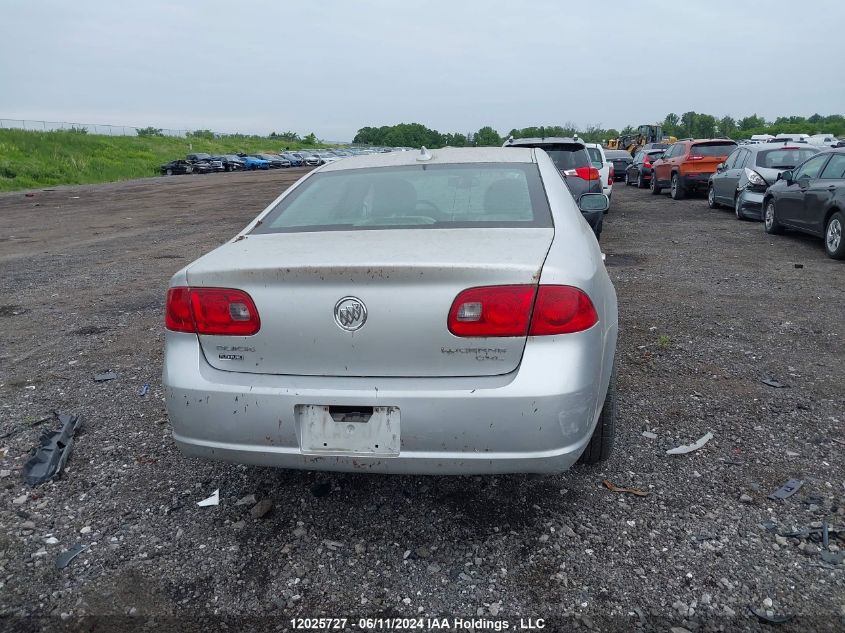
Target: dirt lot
{"x": 709, "y": 307}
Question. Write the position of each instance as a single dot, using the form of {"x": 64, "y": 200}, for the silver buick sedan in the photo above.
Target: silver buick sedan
{"x": 442, "y": 312}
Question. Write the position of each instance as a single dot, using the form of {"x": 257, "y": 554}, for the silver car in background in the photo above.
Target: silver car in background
{"x": 442, "y": 312}
{"x": 741, "y": 181}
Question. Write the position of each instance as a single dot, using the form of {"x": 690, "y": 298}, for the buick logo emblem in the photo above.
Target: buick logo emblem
{"x": 350, "y": 313}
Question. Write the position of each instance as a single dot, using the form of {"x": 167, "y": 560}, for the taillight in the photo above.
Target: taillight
{"x": 216, "y": 311}
{"x": 587, "y": 173}
{"x": 177, "y": 312}
{"x": 694, "y": 157}
{"x": 495, "y": 311}
{"x": 646, "y": 162}
{"x": 610, "y": 175}
{"x": 492, "y": 311}
{"x": 562, "y": 310}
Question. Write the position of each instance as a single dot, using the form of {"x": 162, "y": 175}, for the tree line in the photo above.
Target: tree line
{"x": 688, "y": 124}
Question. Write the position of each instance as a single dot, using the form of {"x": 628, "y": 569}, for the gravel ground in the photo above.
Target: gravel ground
{"x": 709, "y": 307}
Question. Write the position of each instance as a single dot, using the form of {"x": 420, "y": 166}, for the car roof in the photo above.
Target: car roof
{"x": 438, "y": 156}
{"x": 540, "y": 142}
{"x": 759, "y": 147}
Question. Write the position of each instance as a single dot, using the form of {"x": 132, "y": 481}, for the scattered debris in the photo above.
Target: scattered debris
{"x": 825, "y": 535}
{"x": 787, "y": 490}
{"x": 247, "y": 500}
{"x": 746, "y": 498}
{"x": 689, "y": 448}
{"x": 213, "y": 500}
{"x": 799, "y": 265}
{"x": 649, "y": 435}
{"x": 63, "y": 559}
{"x": 51, "y": 540}
{"x": 50, "y": 458}
{"x": 144, "y": 390}
{"x": 838, "y": 441}
{"x": 771, "y": 382}
{"x": 261, "y": 508}
{"x": 614, "y": 488}
{"x": 834, "y": 558}
{"x": 108, "y": 375}
{"x": 321, "y": 488}
{"x": 764, "y": 616}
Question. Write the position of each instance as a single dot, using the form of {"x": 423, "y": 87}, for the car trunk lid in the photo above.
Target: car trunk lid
{"x": 406, "y": 281}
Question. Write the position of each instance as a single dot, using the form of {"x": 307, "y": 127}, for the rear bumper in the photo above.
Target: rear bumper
{"x": 536, "y": 419}
{"x": 696, "y": 180}
{"x": 751, "y": 203}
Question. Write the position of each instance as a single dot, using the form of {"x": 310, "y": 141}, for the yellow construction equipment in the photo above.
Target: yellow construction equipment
{"x": 644, "y": 134}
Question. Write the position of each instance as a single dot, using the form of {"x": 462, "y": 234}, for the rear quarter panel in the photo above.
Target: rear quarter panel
{"x": 575, "y": 259}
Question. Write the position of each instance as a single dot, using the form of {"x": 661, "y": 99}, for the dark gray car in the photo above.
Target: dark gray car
{"x": 741, "y": 181}
{"x": 573, "y": 163}
{"x": 620, "y": 159}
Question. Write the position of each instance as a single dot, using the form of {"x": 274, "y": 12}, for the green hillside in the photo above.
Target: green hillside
{"x": 38, "y": 159}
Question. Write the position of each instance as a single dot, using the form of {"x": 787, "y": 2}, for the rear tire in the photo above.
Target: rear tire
{"x": 641, "y": 182}
{"x": 169, "y": 172}
{"x": 677, "y": 190}
{"x": 738, "y": 209}
{"x": 770, "y": 219}
{"x": 601, "y": 443}
{"x": 711, "y": 198}
{"x": 834, "y": 240}
{"x": 655, "y": 188}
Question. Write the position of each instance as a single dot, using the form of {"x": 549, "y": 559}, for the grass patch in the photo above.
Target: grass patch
{"x": 30, "y": 159}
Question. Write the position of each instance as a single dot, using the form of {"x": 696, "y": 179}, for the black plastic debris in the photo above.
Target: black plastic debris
{"x": 825, "y": 535}
{"x": 321, "y": 488}
{"x": 769, "y": 619}
{"x": 50, "y": 458}
{"x": 63, "y": 559}
{"x": 107, "y": 375}
{"x": 787, "y": 490}
{"x": 774, "y": 383}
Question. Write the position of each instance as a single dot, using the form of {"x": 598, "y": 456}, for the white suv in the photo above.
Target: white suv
{"x": 601, "y": 163}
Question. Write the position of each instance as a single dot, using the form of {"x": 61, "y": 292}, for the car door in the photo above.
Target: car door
{"x": 822, "y": 191}
{"x": 662, "y": 169}
{"x": 720, "y": 178}
{"x": 733, "y": 174}
{"x": 633, "y": 170}
{"x": 790, "y": 203}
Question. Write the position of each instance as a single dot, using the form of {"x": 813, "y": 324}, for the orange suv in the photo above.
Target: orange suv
{"x": 686, "y": 165}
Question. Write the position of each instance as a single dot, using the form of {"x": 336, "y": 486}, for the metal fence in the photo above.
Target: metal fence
{"x": 90, "y": 128}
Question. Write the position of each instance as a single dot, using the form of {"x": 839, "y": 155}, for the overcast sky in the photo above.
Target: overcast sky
{"x": 333, "y": 66}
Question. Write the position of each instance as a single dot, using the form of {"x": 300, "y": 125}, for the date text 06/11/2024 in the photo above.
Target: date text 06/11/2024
{"x": 418, "y": 624}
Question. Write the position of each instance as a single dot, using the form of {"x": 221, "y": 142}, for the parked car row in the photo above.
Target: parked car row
{"x": 202, "y": 163}
{"x": 787, "y": 184}
{"x": 808, "y": 197}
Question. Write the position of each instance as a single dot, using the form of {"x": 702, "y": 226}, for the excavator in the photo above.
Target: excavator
{"x": 644, "y": 134}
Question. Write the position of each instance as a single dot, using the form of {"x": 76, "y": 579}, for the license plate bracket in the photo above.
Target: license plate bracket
{"x": 344, "y": 431}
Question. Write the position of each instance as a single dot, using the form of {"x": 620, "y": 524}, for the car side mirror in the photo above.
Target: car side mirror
{"x": 593, "y": 202}
{"x": 720, "y": 166}
{"x": 787, "y": 176}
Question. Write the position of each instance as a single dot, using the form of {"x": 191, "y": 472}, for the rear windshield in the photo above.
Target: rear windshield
{"x": 786, "y": 158}
{"x": 595, "y": 155}
{"x": 712, "y": 149}
{"x": 414, "y": 196}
